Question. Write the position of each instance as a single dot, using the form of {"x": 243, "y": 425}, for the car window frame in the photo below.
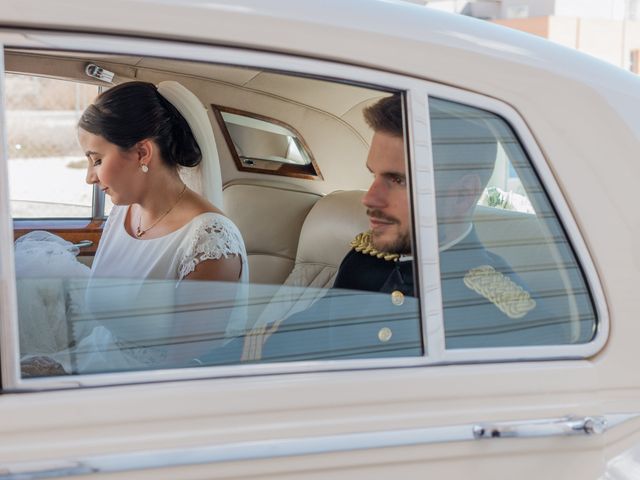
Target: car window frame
{"x": 75, "y": 229}
{"x": 559, "y": 204}
{"x": 66, "y": 223}
{"x": 418, "y": 154}
{"x": 310, "y": 171}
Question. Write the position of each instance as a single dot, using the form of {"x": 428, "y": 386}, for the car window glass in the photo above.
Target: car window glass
{"x": 296, "y": 237}
{"x": 509, "y": 274}
{"x": 46, "y": 165}
{"x": 263, "y": 144}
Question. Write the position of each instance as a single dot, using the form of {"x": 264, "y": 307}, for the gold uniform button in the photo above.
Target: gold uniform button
{"x": 397, "y": 297}
{"x": 385, "y": 334}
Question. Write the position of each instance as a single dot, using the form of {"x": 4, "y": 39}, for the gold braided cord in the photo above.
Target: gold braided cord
{"x": 364, "y": 244}
{"x": 504, "y": 293}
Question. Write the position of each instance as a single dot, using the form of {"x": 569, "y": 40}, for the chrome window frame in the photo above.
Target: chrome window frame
{"x": 574, "y": 237}
{"x": 8, "y": 293}
{"x": 417, "y": 92}
{"x": 98, "y": 197}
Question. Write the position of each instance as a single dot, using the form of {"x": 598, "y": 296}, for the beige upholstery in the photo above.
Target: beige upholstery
{"x": 297, "y": 238}
{"x": 325, "y": 239}
{"x": 270, "y": 220}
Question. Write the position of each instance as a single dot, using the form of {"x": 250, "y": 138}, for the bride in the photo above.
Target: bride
{"x": 159, "y": 235}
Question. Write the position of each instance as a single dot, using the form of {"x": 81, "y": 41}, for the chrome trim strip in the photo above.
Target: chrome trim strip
{"x": 9, "y": 353}
{"x": 247, "y": 451}
{"x": 542, "y": 428}
{"x": 97, "y": 204}
{"x": 424, "y": 215}
{"x": 615, "y": 419}
{"x": 278, "y": 448}
{"x": 425, "y": 219}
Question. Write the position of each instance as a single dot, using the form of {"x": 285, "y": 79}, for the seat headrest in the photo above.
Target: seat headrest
{"x": 269, "y": 218}
{"x": 330, "y": 226}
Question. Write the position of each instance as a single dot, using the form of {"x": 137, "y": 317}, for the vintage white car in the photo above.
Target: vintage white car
{"x": 479, "y": 374}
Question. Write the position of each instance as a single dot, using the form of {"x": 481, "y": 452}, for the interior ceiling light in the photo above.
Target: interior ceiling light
{"x": 99, "y": 73}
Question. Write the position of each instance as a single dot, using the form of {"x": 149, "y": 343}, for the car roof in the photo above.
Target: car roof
{"x": 402, "y": 37}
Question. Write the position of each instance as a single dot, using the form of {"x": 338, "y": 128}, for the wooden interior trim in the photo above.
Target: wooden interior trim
{"x": 308, "y": 172}
{"x": 72, "y": 230}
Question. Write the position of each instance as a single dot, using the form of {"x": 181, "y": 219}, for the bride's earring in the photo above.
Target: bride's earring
{"x": 144, "y": 168}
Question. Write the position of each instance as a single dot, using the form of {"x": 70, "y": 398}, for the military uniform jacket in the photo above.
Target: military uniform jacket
{"x": 485, "y": 305}
{"x": 371, "y": 312}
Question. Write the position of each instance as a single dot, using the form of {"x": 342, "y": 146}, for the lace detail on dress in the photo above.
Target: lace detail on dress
{"x": 215, "y": 237}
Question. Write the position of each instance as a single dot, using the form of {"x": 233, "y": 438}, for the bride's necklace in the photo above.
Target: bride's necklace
{"x": 141, "y": 231}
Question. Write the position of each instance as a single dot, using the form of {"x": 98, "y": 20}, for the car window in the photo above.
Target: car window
{"x": 46, "y": 165}
{"x": 286, "y": 307}
{"x": 263, "y": 144}
{"x": 509, "y": 274}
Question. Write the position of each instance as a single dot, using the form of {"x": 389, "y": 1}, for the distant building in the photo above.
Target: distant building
{"x": 607, "y": 29}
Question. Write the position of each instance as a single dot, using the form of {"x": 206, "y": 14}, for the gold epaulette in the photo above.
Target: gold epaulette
{"x": 500, "y": 290}
{"x": 363, "y": 244}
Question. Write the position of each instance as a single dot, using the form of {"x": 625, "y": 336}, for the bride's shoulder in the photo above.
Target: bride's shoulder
{"x": 213, "y": 222}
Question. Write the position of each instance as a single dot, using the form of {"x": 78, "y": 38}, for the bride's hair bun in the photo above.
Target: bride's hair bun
{"x": 134, "y": 111}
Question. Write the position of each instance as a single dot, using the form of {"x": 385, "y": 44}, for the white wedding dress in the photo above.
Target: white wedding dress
{"x": 145, "y": 314}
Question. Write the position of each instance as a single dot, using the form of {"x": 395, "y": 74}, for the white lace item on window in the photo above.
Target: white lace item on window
{"x": 212, "y": 240}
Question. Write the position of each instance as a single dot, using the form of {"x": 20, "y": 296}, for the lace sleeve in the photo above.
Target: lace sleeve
{"x": 214, "y": 237}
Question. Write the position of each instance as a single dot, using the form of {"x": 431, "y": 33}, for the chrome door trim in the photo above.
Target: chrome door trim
{"x": 287, "y": 447}
{"x": 542, "y": 428}
{"x": 8, "y": 294}
{"x": 97, "y": 204}
{"x": 425, "y": 220}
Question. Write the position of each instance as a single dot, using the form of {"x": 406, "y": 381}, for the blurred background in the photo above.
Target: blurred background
{"x": 606, "y": 29}
{"x": 46, "y": 164}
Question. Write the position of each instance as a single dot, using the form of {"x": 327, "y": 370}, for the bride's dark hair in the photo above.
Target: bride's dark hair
{"x": 135, "y": 111}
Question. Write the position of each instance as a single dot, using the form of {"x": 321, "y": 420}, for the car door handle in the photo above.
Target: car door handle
{"x": 83, "y": 244}
{"x": 541, "y": 428}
